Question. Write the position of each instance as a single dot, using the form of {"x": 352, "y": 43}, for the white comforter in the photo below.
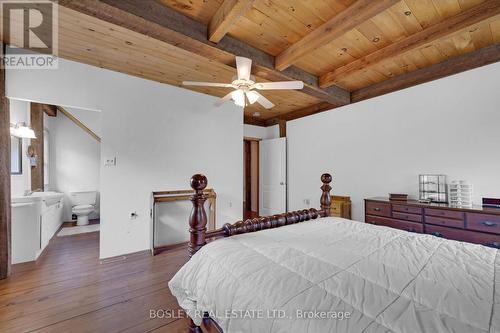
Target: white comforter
{"x": 383, "y": 279}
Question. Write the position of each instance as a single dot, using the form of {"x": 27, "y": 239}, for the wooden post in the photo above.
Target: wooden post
{"x": 326, "y": 200}
{"x": 197, "y": 225}
{"x": 198, "y": 217}
{"x": 36, "y": 121}
{"x": 4, "y": 176}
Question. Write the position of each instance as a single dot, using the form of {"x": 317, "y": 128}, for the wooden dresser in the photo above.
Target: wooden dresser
{"x": 340, "y": 206}
{"x": 475, "y": 225}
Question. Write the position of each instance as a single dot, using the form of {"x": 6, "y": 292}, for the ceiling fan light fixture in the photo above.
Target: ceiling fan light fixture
{"x": 238, "y": 97}
{"x": 252, "y": 97}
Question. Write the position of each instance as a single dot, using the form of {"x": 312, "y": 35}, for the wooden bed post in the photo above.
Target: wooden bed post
{"x": 198, "y": 217}
{"x": 197, "y": 226}
{"x": 326, "y": 200}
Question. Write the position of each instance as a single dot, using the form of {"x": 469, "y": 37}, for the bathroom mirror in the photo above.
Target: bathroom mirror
{"x": 16, "y": 162}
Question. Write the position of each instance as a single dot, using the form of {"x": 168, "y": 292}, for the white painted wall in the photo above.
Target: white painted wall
{"x": 160, "y": 135}
{"x": 74, "y": 156}
{"x": 271, "y": 132}
{"x": 381, "y": 145}
{"x": 20, "y": 112}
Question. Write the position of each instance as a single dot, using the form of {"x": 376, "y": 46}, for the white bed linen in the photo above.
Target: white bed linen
{"x": 388, "y": 280}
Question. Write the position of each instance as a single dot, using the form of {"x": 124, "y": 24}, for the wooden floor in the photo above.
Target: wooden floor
{"x": 69, "y": 290}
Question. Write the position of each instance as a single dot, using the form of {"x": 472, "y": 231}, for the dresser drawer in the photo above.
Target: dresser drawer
{"x": 490, "y": 240}
{"x": 407, "y": 217}
{"x": 407, "y": 209}
{"x": 378, "y": 208}
{"x": 451, "y": 214}
{"x": 402, "y": 225}
{"x": 445, "y": 222}
{"x": 483, "y": 222}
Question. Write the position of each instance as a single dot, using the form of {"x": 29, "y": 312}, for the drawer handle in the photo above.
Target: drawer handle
{"x": 496, "y": 245}
{"x": 437, "y": 234}
{"x": 488, "y": 223}
{"x": 376, "y": 209}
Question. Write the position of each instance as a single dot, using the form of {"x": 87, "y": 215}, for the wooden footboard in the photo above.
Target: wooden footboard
{"x": 198, "y": 219}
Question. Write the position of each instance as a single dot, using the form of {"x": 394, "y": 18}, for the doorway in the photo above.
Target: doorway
{"x": 250, "y": 178}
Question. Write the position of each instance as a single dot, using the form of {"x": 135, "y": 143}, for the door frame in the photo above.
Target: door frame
{"x": 251, "y": 140}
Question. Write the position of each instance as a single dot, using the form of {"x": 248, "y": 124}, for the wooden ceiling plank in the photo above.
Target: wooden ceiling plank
{"x": 346, "y": 20}
{"x": 482, "y": 12}
{"x": 224, "y": 18}
{"x": 482, "y": 57}
{"x": 162, "y": 23}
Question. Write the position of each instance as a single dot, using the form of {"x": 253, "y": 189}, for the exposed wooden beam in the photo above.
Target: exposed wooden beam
{"x": 5, "y": 215}
{"x": 50, "y": 110}
{"x": 228, "y": 13}
{"x": 303, "y": 112}
{"x": 78, "y": 123}
{"x": 254, "y": 121}
{"x": 36, "y": 122}
{"x": 480, "y": 13}
{"x": 482, "y": 57}
{"x": 162, "y": 23}
{"x": 282, "y": 128}
{"x": 355, "y": 14}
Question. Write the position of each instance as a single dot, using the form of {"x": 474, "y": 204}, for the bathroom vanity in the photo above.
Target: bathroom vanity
{"x": 35, "y": 219}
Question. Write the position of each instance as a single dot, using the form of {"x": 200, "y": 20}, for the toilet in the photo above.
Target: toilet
{"x": 82, "y": 205}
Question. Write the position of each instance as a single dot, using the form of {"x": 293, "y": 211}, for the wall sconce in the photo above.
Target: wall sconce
{"x": 22, "y": 131}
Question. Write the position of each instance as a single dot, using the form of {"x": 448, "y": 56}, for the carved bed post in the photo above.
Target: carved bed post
{"x": 198, "y": 217}
{"x": 326, "y": 200}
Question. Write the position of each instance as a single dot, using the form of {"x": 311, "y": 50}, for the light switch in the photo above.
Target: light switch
{"x": 110, "y": 161}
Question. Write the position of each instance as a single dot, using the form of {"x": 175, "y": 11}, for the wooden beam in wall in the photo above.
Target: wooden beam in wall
{"x": 167, "y": 25}
{"x": 480, "y": 13}
{"x": 482, "y": 57}
{"x": 5, "y": 211}
{"x": 36, "y": 121}
{"x": 282, "y": 128}
{"x": 355, "y": 14}
{"x": 50, "y": 110}
{"x": 78, "y": 123}
{"x": 228, "y": 13}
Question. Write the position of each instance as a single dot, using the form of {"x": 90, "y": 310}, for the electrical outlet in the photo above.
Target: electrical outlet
{"x": 110, "y": 161}
{"x": 307, "y": 202}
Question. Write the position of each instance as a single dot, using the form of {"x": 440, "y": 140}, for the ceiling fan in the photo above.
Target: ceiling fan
{"x": 245, "y": 86}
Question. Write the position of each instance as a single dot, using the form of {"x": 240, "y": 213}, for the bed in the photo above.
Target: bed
{"x": 307, "y": 272}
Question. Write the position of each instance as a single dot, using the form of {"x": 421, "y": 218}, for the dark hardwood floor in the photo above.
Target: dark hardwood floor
{"x": 69, "y": 290}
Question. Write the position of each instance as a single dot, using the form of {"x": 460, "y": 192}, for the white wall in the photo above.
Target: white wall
{"x": 381, "y": 145}
{"x": 20, "y": 112}
{"x": 160, "y": 135}
{"x": 74, "y": 156}
{"x": 259, "y": 132}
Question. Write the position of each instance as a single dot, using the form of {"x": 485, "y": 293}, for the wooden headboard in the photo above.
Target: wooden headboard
{"x": 199, "y": 234}
{"x": 198, "y": 218}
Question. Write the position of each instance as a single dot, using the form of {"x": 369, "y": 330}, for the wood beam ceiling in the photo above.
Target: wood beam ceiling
{"x": 227, "y": 14}
{"x": 167, "y": 25}
{"x": 479, "y": 13}
{"x": 482, "y": 57}
{"x": 354, "y": 15}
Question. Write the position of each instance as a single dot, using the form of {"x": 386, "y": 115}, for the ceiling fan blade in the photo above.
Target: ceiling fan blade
{"x": 279, "y": 85}
{"x": 244, "y": 67}
{"x": 264, "y": 101}
{"x": 207, "y": 84}
{"x": 222, "y": 100}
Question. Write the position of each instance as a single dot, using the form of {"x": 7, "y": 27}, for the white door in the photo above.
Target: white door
{"x": 272, "y": 198}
